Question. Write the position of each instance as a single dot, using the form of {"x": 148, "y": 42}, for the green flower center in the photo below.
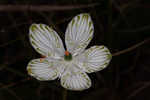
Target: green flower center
{"x": 67, "y": 56}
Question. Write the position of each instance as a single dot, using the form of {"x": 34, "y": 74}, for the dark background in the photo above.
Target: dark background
{"x": 121, "y": 25}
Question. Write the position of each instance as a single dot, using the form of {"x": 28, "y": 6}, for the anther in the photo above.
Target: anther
{"x": 67, "y": 53}
{"x": 42, "y": 58}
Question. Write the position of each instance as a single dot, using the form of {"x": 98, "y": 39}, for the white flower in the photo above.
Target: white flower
{"x": 69, "y": 66}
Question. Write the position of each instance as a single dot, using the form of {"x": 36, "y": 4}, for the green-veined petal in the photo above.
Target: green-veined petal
{"x": 79, "y": 33}
{"x": 43, "y": 69}
{"x": 45, "y": 40}
{"x": 74, "y": 79}
{"x": 94, "y": 59}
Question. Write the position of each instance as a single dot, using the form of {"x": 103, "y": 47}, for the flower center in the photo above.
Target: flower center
{"x": 67, "y": 56}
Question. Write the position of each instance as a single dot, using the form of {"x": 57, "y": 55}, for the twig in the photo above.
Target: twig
{"x": 12, "y": 93}
{"x": 15, "y": 71}
{"x": 130, "y": 4}
{"x": 109, "y": 37}
{"x": 47, "y": 8}
{"x": 144, "y": 86}
{"x": 13, "y": 84}
{"x": 10, "y": 42}
{"x": 64, "y": 94}
{"x": 136, "y": 58}
{"x": 131, "y": 48}
{"x": 123, "y": 9}
{"x": 122, "y": 15}
{"x": 147, "y": 27}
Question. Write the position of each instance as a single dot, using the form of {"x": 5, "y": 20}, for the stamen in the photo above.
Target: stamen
{"x": 42, "y": 58}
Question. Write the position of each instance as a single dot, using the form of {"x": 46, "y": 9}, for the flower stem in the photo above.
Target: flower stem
{"x": 64, "y": 95}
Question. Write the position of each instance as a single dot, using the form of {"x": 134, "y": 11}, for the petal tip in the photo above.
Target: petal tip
{"x": 29, "y": 70}
{"x": 33, "y": 27}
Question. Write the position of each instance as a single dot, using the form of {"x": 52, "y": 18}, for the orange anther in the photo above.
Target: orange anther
{"x": 43, "y": 56}
{"x": 67, "y": 53}
{"x": 41, "y": 59}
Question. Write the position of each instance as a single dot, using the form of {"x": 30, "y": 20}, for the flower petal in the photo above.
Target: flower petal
{"x": 42, "y": 69}
{"x": 45, "y": 40}
{"x": 94, "y": 59}
{"x": 79, "y": 33}
{"x": 75, "y": 80}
